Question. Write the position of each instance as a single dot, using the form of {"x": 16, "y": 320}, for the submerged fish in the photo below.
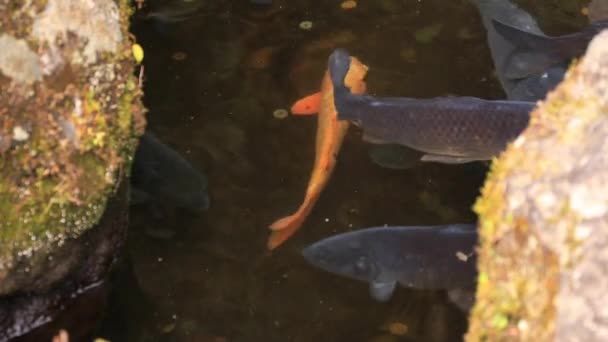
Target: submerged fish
{"x": 419, "y": 257}
{"x": 160, "y": 174}
{"x": 520, "y": 72}
{"x": 447, "y": 129}
{"x": 330, "y": 133}
{"x": 171, "y": 11}
{"x": 555, "y": 50}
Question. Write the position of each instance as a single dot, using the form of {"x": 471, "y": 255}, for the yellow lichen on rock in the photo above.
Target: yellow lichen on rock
{"x": 68, "y": 128}
{"x": 545, "y": 198}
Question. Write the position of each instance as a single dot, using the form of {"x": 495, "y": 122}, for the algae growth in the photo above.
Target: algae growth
{"x": 538, "y": 209}
{"x": 66, "y": 139}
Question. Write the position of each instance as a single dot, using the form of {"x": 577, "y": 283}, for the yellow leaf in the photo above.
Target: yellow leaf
{"x": 138, "y": 53}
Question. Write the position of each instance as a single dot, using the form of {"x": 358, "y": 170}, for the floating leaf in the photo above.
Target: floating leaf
{"x": 349, "y": 4}
{"x": 306, "y": 25}
{"x": 138, "y": 53}
{"x": 428, "y": 33}
{"x": 465, "y": 34}
{"x": 408, "y": 55}
{"x": 280, "y": 114}
{"x": 398, "y": 328}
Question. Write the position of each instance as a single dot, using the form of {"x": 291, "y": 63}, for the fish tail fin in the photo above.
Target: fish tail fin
{"x": 284, "y": 228}
{"x": 532, "y": 42}
{"x": 287, "y": 222}
{"x": 277, "y": 237}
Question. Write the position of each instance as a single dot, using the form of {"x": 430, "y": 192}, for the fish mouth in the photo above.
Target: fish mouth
{"x": 331, "y": 262}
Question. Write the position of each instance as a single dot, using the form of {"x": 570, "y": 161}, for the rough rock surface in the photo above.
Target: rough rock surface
{"x": 544, "y": 219}
{"x": 92, "y": 255}
{"x": 69, "y": 120}
{"x": 70, "y": 116}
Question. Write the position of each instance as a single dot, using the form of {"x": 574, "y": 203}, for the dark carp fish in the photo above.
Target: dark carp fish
{"x": 447, "y": 129}
{"x": 521, "y": 72}
{"x": 419, "y": 257}
{"x": 557, "y": 50}
{"x": 160, "y": 174}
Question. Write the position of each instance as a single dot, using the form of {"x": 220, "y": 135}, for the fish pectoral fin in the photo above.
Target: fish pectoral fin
{"x": 308, "y": 105}
{"x": 373, "y": 139}
{"x": 438, "y": 158}
{"x": 382, "y": 291}
{"x": 394, "y": 156}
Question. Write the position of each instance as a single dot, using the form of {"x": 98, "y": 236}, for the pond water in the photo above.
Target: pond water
{"x": 212, "y": 83}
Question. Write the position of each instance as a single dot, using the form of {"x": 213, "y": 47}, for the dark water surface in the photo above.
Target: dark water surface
{"x": 212, "y": 84}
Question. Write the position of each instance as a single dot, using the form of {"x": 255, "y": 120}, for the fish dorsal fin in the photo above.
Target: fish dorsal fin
{"x": 382, "y": 291}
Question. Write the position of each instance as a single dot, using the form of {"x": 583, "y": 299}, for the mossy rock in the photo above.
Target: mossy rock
{"x": 78, "y": 269}
{"x": 543, "y": 214}
{"x": 69, "y": 123}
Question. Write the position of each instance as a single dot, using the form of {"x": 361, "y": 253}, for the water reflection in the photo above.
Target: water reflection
{"x": 212, "y": 84}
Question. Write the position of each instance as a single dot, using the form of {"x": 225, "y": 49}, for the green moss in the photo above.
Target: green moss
{"x": 503, "y": 287}
{"x": 124, "y": 108}
{"x": 55, "y": 184}
{"x": 519, "y": 268}
{"x": 52, "y": 213}
{"x": 499, "y": 321}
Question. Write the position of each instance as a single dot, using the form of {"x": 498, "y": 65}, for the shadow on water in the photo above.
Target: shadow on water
{"x": 211, "y": 85}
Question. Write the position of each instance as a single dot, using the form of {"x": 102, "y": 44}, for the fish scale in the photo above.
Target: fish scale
{"x": 460, "y": 127}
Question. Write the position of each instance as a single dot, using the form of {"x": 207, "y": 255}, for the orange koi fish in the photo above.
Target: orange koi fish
{"x": 330, "y": 133}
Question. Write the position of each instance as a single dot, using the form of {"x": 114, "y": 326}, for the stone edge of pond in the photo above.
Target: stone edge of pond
{"x": 70, "y": 118}
{"x": 540, "y": 214}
